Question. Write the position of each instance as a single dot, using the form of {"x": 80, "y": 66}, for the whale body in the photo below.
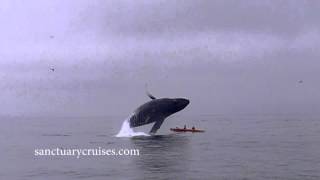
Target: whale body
{"x": 156, "y": 110}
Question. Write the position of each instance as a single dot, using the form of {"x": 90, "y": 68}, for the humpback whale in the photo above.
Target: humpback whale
{"x": 156, "y": 110}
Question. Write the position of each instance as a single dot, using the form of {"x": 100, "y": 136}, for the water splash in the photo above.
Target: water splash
{"x": 127, "y": 131}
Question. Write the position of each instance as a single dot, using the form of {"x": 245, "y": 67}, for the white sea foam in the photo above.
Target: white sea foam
{"x": 127, "y": 131}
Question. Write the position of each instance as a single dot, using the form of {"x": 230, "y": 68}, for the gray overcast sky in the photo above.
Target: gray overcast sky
{"x": 226, "y": 56}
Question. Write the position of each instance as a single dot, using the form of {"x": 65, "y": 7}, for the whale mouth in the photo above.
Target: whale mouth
{"x": 186, "y": 102}
{"x": 182, "y": 103}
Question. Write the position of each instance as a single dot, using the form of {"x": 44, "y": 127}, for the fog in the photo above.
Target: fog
{"x": 225, "y": 56}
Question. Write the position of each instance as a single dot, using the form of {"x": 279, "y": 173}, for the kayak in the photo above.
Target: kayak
{"x": 185, "y": 130}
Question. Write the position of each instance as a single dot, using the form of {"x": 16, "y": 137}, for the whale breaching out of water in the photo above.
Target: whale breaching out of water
{"x": 156, "y": 110}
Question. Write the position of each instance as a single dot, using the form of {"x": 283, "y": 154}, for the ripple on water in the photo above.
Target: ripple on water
{"x": 57, "y": 135}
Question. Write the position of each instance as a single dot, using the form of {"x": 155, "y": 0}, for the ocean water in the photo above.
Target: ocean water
{"x": 233, "y": 147}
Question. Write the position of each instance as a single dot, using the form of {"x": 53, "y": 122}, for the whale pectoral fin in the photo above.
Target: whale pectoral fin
{"x": 151, "y": 96}
{"x": 156, "y": 126}
{"x": 148, "y": 94}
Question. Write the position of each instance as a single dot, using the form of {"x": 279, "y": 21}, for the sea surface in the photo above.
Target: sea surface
{"x": 236, "y": 147}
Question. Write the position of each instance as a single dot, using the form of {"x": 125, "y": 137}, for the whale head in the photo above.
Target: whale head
{"x": 178, "y": 104}
{"x": 170, "y": 106}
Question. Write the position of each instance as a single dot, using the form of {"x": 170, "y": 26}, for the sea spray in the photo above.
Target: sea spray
{"x": 127, "y": 131}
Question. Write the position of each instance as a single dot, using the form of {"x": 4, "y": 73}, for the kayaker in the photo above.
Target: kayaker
{"x": 193, "y": 128}
{"x": 185, "y": 127}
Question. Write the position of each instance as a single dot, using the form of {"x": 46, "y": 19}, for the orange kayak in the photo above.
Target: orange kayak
{"x": 185, "y": 130}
